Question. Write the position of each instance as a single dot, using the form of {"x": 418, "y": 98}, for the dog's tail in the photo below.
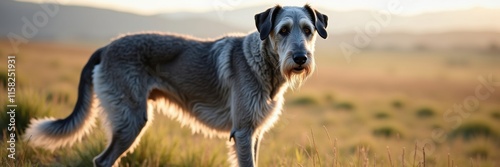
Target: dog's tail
{"x": 50, "y": 133}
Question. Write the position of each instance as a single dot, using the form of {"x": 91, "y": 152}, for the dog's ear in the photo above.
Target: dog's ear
{"x": 265, "y": 21}
{"x": 320, "y": 21}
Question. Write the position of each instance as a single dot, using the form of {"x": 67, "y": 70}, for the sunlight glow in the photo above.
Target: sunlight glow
{"x": 150, "y": 7}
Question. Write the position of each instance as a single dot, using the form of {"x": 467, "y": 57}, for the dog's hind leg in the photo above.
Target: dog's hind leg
{"x": 127, "y": 125}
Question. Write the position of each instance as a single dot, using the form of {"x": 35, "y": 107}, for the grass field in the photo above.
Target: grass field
{"x": 384, "y": 108}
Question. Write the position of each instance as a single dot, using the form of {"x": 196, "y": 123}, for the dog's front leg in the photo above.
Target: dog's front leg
{"x": 242, "y": 129}
{"x": 243, "y": 146}
{"x": 256, "y": 144}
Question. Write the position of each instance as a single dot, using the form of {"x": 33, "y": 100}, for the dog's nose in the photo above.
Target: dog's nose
{"x": 300, "y": 59}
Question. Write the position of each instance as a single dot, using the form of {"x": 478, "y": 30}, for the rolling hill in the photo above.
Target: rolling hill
{"x": 465, "y": 29}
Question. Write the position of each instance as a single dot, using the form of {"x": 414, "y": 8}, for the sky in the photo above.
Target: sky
{"x": 150, "y": 7}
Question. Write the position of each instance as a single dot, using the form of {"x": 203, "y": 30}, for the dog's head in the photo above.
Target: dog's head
{"x": 291, "y": 32}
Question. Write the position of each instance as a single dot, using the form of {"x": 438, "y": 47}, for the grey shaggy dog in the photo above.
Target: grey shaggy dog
{"x": 230, "y": 87}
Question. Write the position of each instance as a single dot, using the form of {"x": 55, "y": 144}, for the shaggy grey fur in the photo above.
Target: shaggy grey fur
{"x": 231, "y": 87}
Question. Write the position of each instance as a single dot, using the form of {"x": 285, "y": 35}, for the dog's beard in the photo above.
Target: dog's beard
{"x": 293, "y": 77}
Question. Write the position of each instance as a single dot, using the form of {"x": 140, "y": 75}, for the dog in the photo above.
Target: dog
{"x": 230, "y": 87}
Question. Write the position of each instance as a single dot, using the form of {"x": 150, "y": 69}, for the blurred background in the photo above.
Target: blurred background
{"x": 395, "y": 78}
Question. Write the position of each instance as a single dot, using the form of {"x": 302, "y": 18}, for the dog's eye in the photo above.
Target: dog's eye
{"x": 284, "y": 31}
{"x": 307, "y": 31}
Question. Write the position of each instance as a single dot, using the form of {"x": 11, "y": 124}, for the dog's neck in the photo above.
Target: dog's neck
{"x": 265, "y": 64}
